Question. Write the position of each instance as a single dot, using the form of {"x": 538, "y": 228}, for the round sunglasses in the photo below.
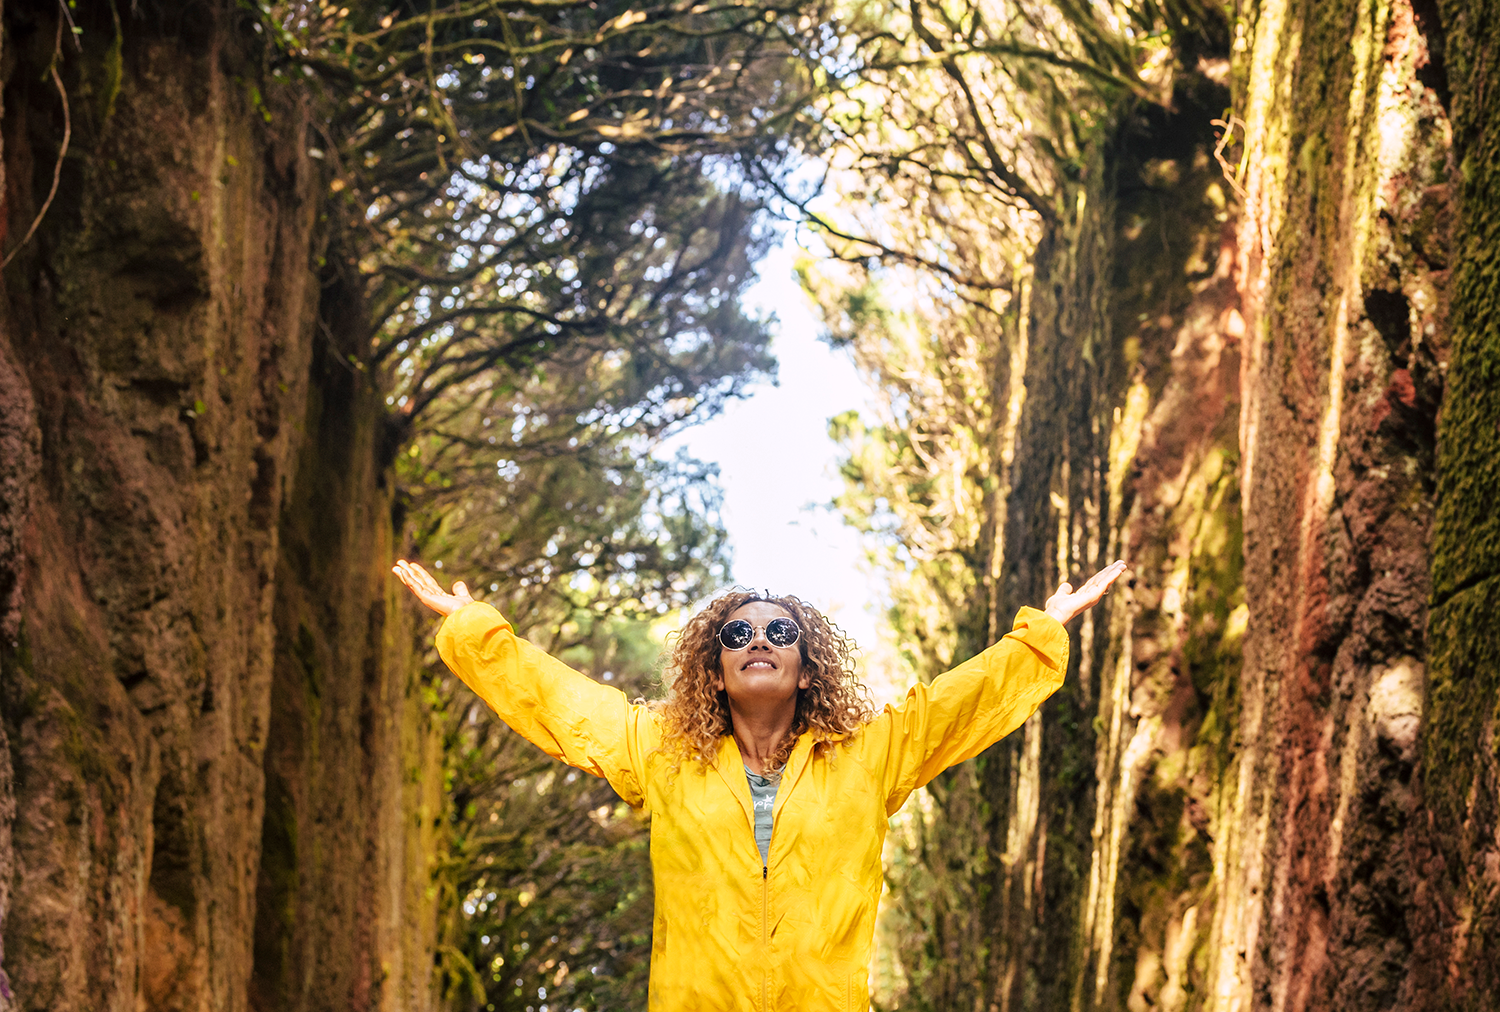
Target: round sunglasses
{"x": 737, "y": 635}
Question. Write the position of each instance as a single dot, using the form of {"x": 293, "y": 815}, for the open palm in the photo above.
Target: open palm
{"x": 1068, "y": 602}
{"x": 421, "y": 583}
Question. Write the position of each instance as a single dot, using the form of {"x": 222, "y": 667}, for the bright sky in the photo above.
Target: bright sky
{"x": 779, "y": 468}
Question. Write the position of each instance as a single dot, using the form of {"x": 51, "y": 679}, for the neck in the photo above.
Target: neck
{"x": 759, "y": 731}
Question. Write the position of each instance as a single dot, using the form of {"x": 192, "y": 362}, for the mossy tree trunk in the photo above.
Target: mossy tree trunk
{"x": 1271, "y": 779}
{"x": 1459, "y": 887}
{"x": 223, "y": 782}
{"x": 1294, "y": 800}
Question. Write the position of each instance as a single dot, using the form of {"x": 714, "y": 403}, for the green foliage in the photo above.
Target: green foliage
{"x": 540, "y": 224}
{"x": 974, "y": 123}
{"x": 553, "y": 536}
{"x": 549, "y": 183}
{"x": 548, "y": 871}
{"x": 542, "y": 217}
{"x": 968, "y": 225}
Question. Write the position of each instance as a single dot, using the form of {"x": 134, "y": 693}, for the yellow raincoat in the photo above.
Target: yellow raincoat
{"x": 730, "y": 933}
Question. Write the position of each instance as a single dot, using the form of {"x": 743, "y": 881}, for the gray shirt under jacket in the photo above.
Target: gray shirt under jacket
{"x": 763, "y": 797}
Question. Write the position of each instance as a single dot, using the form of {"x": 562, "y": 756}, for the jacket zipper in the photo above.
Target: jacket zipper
{"x": 765, "y": 903}
{"x": 765, "y": 935}
{"x": 765, "y": 895}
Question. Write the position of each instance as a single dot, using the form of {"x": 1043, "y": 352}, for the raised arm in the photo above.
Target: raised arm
{"x": 566, "y": 714}
{"x": 968, "y": 709}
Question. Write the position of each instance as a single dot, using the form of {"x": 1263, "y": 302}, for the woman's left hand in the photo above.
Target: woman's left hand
{"x": 1068, "y": 602}
{"x": 421, "y": 583}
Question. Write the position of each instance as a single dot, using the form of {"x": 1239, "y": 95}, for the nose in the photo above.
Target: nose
{"x": 758, "y": 639}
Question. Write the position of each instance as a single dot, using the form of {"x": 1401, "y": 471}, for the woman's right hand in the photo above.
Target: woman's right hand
{"x": 421, "y": 583}
{"x": 1068, "y": 602}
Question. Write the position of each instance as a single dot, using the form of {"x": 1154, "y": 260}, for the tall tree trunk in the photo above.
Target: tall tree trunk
{"x": 219, "y": 769}
{"x": 1233, "y": 379}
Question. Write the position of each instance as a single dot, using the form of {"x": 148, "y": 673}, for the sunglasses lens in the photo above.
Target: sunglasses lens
{"x": 782, "y": 632}
{"x": 736, "y": 635}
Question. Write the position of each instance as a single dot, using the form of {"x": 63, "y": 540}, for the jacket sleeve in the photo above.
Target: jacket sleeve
{"x": 566, "y": 714}
{"x": 968, "y": 709}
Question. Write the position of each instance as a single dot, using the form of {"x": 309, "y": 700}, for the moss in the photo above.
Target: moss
{"x": 1459, "y": 740}
{"x": 57, "y": 695}
{"x": 1170, "y": 865}
{"x": 70, "y": 760}
{"x": 113, "y": 67}
{"x": 16, "y": 668}
{"x": 1466, "y": 539}
{"x": 1215, "y": 619}
{"x": 1463, "y": 692}
{"x": 280, "y": 882}
{"x": 1459, "y": 746}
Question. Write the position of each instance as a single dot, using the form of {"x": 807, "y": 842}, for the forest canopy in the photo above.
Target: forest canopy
{"x": 296, "y": 287}
{"x": 550, "y": 211}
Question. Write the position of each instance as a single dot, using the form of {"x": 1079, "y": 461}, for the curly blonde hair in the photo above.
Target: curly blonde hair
{"x": 695, "y": 715}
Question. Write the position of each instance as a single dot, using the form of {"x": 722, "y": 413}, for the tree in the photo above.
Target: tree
{"x": 546, "y": 235}
{"x": 541, "y": 237}
{"x": 547, "y": 871}
{"x": 971, "y": 272}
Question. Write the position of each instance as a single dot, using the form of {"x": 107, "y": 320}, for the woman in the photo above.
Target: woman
{"x": 768, "y": 778}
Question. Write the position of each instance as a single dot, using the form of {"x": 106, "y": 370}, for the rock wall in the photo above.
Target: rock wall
{"x": 220, "y": 780}
{"x": 1294, "y": 793}
{"x": 1136, "y": 357}
{"x": 1346, "y": 252}
{"x": 346, "y": 909}
{"x": 1264, "y": 371}
{"x": 1458, "y": 884}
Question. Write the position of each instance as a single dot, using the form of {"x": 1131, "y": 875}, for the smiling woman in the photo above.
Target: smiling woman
{"x": 768, "y": 777}
{"x": 766, "y": 691}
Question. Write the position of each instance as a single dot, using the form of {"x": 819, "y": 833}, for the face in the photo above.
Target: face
{"x": 761, "y": 672}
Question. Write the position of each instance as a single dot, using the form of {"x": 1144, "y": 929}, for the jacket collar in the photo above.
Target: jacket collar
{"x": 796, "y": 763}
{"x": 731, "y": 768}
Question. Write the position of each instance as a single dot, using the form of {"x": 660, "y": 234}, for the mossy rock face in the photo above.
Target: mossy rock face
{"x": 1460, "y": 763}
{"x": 1348, "y": 237}
{"x": 157, "y": 349}
{"x": 1065, "y": 852}
{"x": 1461, "y": 780}
{"x": 1466, "y": 542}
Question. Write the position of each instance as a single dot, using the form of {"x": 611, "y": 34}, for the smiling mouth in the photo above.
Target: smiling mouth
{"x": 759, "y": 664}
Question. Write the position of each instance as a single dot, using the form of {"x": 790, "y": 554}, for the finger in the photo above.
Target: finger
{"x": 1109, "y": 575}
{"x": 412, "y": 580}
{"x": 1064, "y": 588}
{"x": 423, "y": 577}
{"x": 1100, "y": 583}
{"x": 417, "y": 580}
